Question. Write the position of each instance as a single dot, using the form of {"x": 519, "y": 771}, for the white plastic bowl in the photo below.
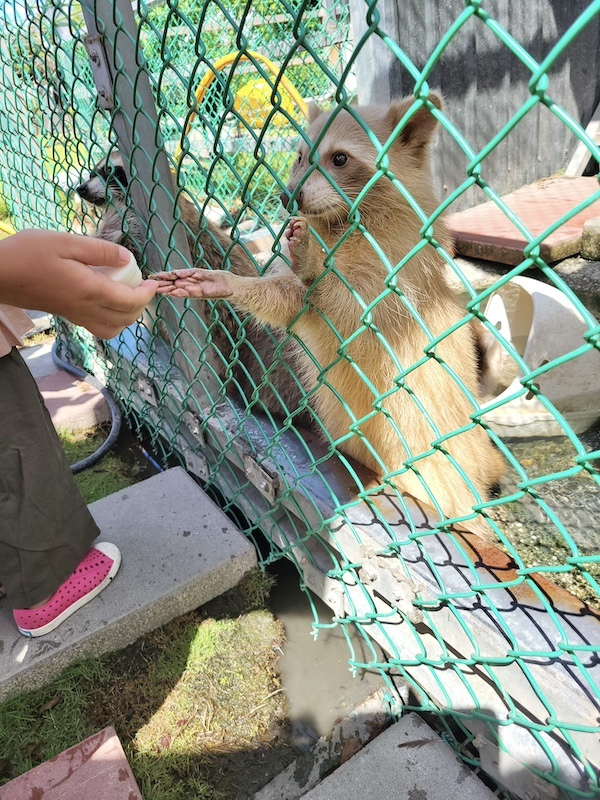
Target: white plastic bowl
{"x": 542, "y": 325}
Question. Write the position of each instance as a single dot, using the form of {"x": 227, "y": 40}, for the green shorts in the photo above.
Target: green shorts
{"x": 45, "y": 526}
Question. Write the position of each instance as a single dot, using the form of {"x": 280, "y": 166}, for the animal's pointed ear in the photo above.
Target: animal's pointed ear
{"x": 419, "y": 129}
{"x": 314, "y": 111}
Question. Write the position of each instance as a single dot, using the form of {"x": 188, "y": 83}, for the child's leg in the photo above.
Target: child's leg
{"x": 45, "y": 526}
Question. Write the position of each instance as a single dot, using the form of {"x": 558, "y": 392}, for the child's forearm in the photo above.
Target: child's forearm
{"x": 50, "y": 271}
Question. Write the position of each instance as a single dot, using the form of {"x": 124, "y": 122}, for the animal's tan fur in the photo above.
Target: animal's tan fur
{"x": 211, "y": 246}
{"x": 356, "y": 392}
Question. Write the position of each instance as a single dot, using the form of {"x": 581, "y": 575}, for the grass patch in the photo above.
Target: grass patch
{"x": 197, "y": 704}
{"x": 115, "y": 471}
{"x": 44, "y": 337}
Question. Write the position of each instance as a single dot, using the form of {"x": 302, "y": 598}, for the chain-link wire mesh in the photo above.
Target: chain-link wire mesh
{"x": 499, "y": 643}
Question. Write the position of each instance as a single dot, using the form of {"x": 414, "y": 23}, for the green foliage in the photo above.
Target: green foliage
{"x": 115, "y": 471}
{"x": 4, "y": 211}
{"x": 182, "y": 43}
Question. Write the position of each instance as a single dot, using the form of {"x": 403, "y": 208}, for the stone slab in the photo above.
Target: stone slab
{"x": 340, "y": 744}
{"x": 95, "y": 768}
{"x": 407, "y": 760}
{"x": 590, "y": 239}
{"x": 486, "y": 232}
{"x": 74, "y": 404}
{"x": 179, "y": 551}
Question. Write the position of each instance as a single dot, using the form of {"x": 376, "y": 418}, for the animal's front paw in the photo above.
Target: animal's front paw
{"x": 197, "y": 283}
{"x": 298, "y": 237}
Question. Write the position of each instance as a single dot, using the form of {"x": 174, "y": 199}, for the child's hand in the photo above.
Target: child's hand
{"x": 50, "y": 271}
{"x": 201, "y": 283}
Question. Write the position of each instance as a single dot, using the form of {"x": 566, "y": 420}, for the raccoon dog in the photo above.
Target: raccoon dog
{"x": 210, "y": 246}
{"x": 387, "y": 396}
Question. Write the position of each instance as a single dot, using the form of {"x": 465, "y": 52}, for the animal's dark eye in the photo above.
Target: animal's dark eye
{"x": 339, "y": 159}
{"x": 299, "y": 159}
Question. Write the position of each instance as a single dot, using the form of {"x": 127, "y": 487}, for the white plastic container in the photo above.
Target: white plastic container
{"x": 542, "y": 325}
{"x": 129, "y": 275}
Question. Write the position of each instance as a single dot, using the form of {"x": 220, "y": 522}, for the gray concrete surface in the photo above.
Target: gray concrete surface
{"x": 345, "y": 739}
{"x": 38, "y": 358}
{"x": 408, "y": 761}
{"x": 179, "y": 551}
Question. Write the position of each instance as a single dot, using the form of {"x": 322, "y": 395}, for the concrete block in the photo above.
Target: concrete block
{"x": 348, "y": 736}
{"x": 590, "y": 239}
{"x": 42, "y": 322}
{"x": 485, "y": 232}
{"x": 179, "y": 551}
{"x": 407, "y": 760}
{"x": 74, "y": 405}
{"x": 95, "y": 768}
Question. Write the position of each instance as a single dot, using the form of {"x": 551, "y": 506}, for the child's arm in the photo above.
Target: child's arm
{"x": 276, "y": 299}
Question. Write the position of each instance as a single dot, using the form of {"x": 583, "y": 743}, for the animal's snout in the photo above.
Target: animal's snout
{"x": 285, "y": 198}
{"x": 93, "y": 191}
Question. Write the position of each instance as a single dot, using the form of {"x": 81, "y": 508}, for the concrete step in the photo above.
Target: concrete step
{"x": 41, "y": 321}
{"x": 38, "y": 358}
{"x": 407, "y": 760}
{"x": 346, "y": 738}
{"x": 179, "y": 551}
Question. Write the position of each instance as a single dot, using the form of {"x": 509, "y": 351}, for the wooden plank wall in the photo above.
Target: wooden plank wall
{"x": 484, "y": 84}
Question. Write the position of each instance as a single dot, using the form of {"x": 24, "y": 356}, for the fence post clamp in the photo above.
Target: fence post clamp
{"x": 266, "y": 483}
{"x": 385, "y": 576}
{"x": 194, "y": 462}
{"x": 193, "y": 423}
{"x": 100, "y": 71}
{"x": 146, "y": 389}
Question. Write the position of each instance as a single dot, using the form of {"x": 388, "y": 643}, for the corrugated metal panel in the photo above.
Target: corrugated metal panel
{"x": 485, "y": 84}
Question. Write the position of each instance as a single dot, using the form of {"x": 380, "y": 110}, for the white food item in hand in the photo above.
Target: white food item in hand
{"x": 129, "y": 275}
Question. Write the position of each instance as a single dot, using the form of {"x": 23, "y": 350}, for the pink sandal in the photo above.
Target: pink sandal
{"x": 93, "y": 574}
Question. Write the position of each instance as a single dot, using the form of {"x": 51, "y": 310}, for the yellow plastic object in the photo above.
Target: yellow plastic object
{"x": 253, "y": 102}
{"x": 254, "y": 96}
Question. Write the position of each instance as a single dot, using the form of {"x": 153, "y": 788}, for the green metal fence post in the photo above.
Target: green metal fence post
{"x": 124, "y": 89}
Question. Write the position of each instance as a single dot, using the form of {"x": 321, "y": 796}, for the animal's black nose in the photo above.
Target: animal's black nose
{"x": 81, "y": 190}
{"x": 285, "y": 198}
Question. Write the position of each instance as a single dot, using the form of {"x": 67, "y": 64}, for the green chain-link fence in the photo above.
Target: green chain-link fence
{"x": 499, "y": 643}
